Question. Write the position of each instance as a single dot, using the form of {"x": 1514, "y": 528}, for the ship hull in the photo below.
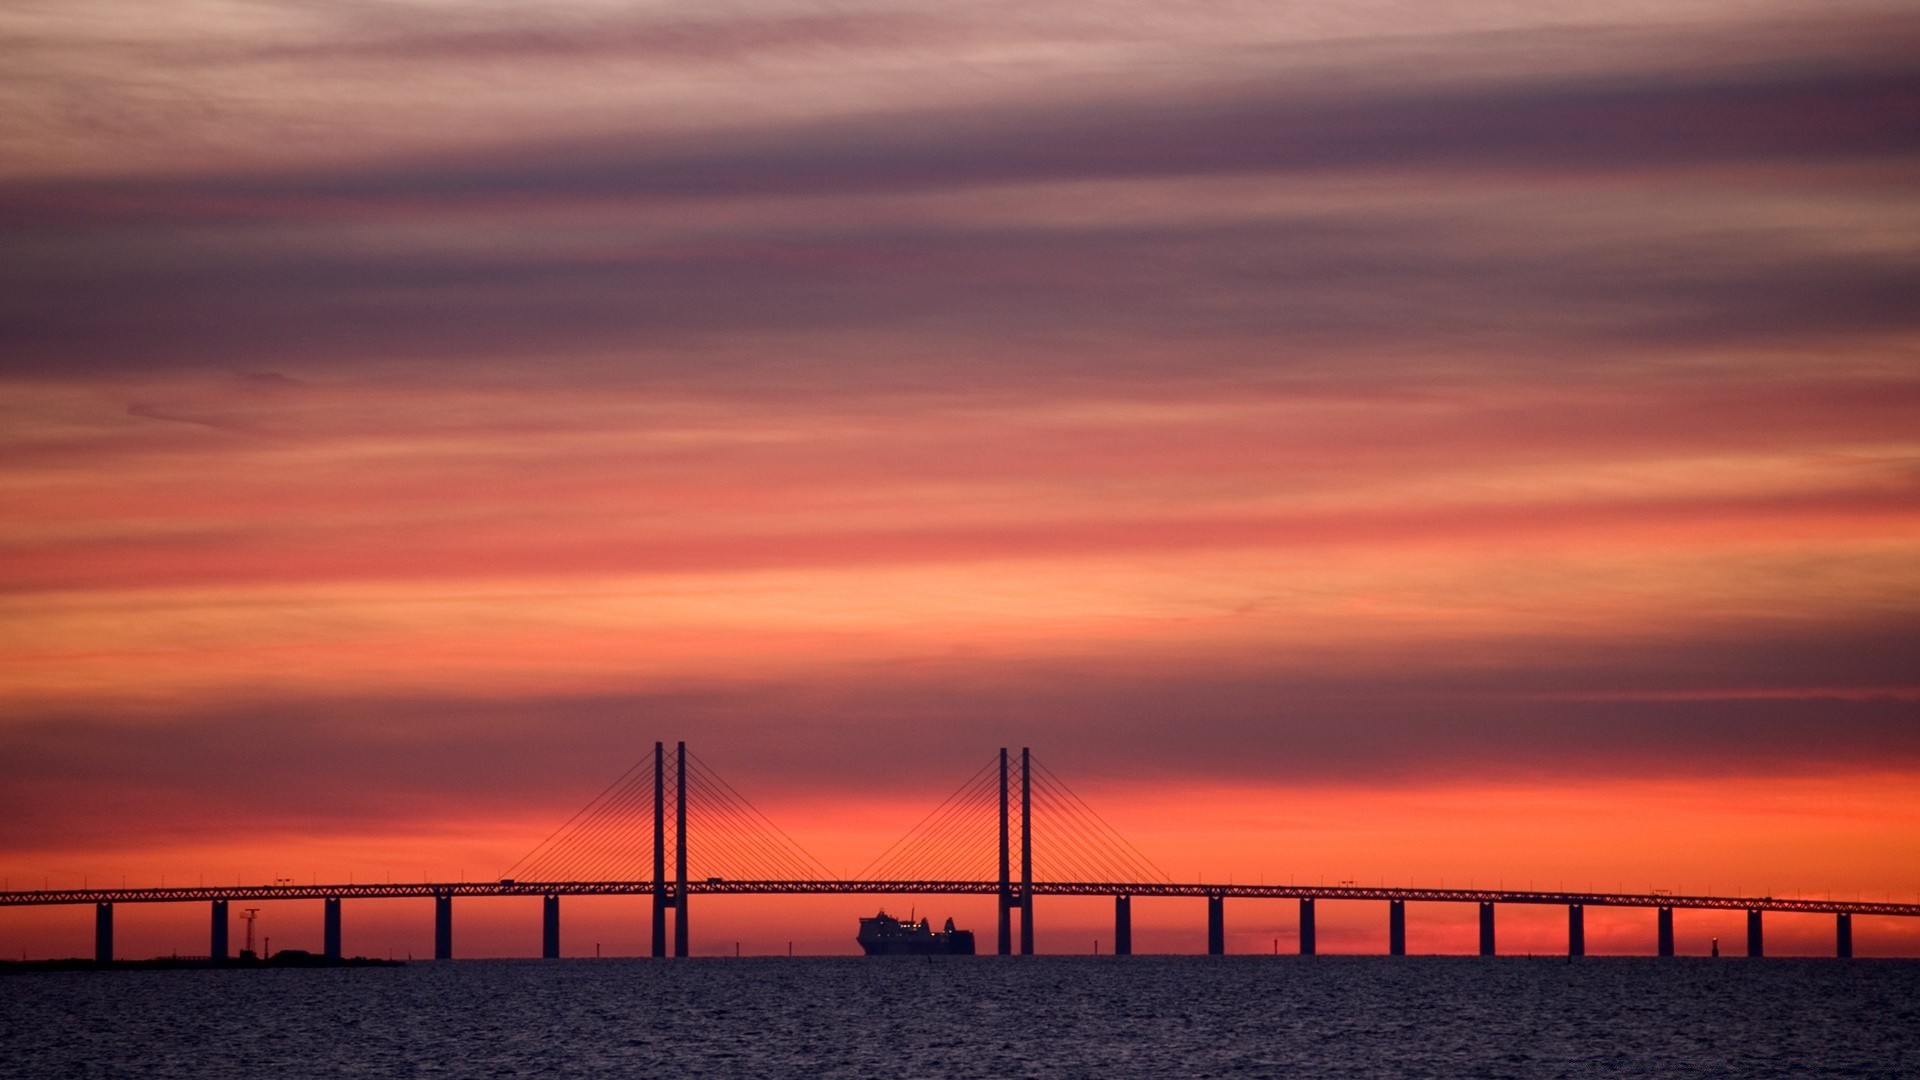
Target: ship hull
{"x": 884, "y": 935}
{"x": 959, "y": 943}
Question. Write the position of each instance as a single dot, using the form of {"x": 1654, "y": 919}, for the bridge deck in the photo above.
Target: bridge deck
{"x": 988, "y": 888}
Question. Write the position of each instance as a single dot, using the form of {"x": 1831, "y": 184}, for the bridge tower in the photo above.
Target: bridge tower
{"x": 659, "y": 849}
{"x": 1026, "y": 853}
{"x": 680, "y": 850}
{"x": 1023, "y": 899}
{"x": 1004, "y": 913}
{"x": 665, "y": 896}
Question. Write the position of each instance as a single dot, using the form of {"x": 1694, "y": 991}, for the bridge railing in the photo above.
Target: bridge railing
{"x": 932, "y": 887}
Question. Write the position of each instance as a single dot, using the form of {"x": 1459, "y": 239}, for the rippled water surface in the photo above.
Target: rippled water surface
{"x": 985, "y": 1016}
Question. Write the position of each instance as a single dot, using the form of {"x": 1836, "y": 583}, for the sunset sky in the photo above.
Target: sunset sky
{"x": 1409, "y": 442}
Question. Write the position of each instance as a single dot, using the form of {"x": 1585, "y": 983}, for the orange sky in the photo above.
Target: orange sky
{"x": 1411, "y": 443}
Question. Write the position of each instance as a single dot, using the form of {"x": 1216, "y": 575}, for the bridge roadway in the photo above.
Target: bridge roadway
{"x": 1012, "y": 897}
{"x": 731, "y": 887}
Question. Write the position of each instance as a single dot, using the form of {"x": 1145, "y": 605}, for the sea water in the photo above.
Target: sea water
{"x": 977, "y": 1016}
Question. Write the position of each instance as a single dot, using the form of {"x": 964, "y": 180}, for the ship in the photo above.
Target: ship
{"x": 884, "y": 935}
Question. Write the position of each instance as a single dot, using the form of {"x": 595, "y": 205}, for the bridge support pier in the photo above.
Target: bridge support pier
{"x": 1216, "y": 925}
{"x": 1306, "y": 926}
{"x": 1123, "y": 926}
{"x": 1843, "y": 935}
{"x": 1755, "y": 945}
{"x": 103, "y": 933}
{"x": 1666, "y": 931}
{"x": 217, "y": 940}
{"x": 1396, "y": 928}
{"x": 443, "y": 926}
{"x": 330, "y": 928}
{"x": 1576, "y": 930}
{"x": 550, "y": 927}
{"x": 1486, "y": 928}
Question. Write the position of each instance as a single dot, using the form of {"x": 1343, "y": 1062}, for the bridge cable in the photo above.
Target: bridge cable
{"x": 915, "y": 838}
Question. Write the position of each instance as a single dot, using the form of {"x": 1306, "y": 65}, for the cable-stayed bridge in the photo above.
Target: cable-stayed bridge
{"x": 671, "y": 828}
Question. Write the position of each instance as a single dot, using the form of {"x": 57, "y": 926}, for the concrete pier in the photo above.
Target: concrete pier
{"x": 217, "y": 940}
{"x": 1306, "y": 926}
{"x": 443, "y": 926}
{"x": 1756, "y": 946}
{"x": 1123, "y": 926}
{"x": 1396, "y": 928}
{"x": 1486, "y": 928}
{"x": 1666, "y": 931}
{"x": 550, "y": 927}
{"x": 1576, "y": 930}
{"x": 1843, "y": 935}
{"x": 330, "y": 936}
{"x": 1216, "y": 925}
{"x": 103, "y": 933}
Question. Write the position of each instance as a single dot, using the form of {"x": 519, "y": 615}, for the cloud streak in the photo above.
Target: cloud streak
{"x": 1426, "y": 227}
{"x": 363, "y": 757}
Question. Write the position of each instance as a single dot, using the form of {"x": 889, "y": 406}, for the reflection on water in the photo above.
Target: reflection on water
{"x": 986, "y": 1016}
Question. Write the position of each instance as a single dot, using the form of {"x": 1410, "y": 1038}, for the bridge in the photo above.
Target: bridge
{"x": 946, "y": 853}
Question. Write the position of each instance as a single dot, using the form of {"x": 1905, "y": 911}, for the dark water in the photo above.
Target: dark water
{"x": 1034, "y": 1016}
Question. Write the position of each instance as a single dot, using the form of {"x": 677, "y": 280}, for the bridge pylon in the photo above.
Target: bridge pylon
{"x": 1022, "y": 899}
{"x": 667, "y": 895}
{"x": 659, "y": 850}
{"x": 1005, "y": 945}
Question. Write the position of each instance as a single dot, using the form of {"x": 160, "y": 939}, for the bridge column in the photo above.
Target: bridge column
{"x": 680, "y": 851}
{"x": 331, "y": 928}
{"x": 659, "y": 849}
{"x": 1755, "y": 946}
{"x": 1396, "y": 928}
{"x": 217, "y": 948}
{"x": 103, "y": 933}
{"x": 1216, "y": 925}
{"x": 1843, "y": 935}
{"x": 1666, "y": 931}
{"x": 1006, "y": 879}
{"x": 1306, "y": 926}
{"x": 443, "y": 926}
{"x": 550, "y": 927}
{"x": 1026, "y": 853}
{"x": 1486, "y": 928}
{"x": 1123, "y": 926}
{"x": 1576, "y": 930}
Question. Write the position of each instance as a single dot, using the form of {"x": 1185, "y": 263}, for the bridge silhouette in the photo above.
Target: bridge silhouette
{"x": 612, "y": 848}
